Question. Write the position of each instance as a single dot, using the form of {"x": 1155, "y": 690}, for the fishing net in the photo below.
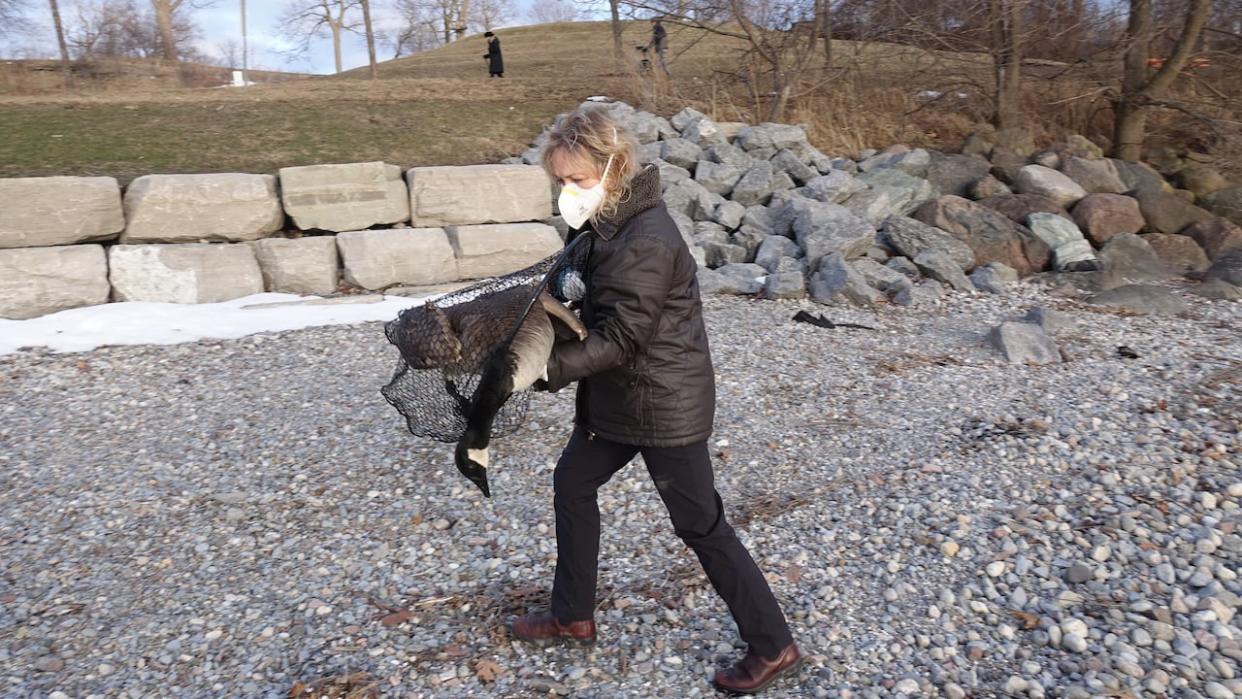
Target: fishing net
{"x": 445, "y": 342}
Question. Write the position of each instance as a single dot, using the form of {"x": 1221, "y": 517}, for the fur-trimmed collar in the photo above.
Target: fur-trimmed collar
{"x": 644, "y": 194}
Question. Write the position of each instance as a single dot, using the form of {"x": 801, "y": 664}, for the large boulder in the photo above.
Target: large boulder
{"x": 47, "y": 211}
{"x": 936, "y": 265}
{"x": 1037, "y": 179}
{"x": 836, "y": 280}
{"x": 987, "y": 187}
{"x": 1181, "y": 254}
{"x": 704, "y": 133}
{"x": 784, "y": 285}
{"x": 773, "y": 249}
{"x": 717, "y": 178}
{"x": 994, "y": 277}
{"x": 645, "y": 126}
{"x": 1141, "y": 300}
{"x": 1070, "y": 250}
{"x": 198, "y": 208}
{"x": 1166, "y": 212}
{"x": 729, "y": 154}
{"x": 1095, "y": 176}
{"x": 729, "y": 214}
{"x": 1201, "y": 180}
{"x": 1078, "y": 146}
{"x": 1226, "y": 203}
{"x": 1102, "y": 216}
{"x": 680, "y": 152}
{"x": 822, "y": 229}
{"x": 741, "y": 278}
{"x": 346, "y": 197}
{"x": 446, "y": 196}
{"x": 905, "y": 192}
{"x": 38, "y": 281}
{"x": 956, "y": 174}
{"x": 992, "y": 236}
{"x": 873, "y": 205}
{"x": 1024, "y": 343}
{"x": 756, "y": 186}
{"x": 298, "y": 265}
{"x": 909, "y": 237}
{"x": 187, "y": 273}
{"x": 500, "y": 248}
{"x": 1019, "y": 207}
{"x": 774, "y": 136}
{"x": 1127, "y": 258}
{"x": 834, "y": 187}
{"x": 788, "y": 162}
{"x": 1227, "y": 267}
{"x": 1137, "y": 176}
{"x": 1006, "y": 166}
{"x": 692, "y": 199}
{"x": 682, "y": 119}
{"x": 880, "y": 276}
{"x": 1218, "y": 290}
{"x": 1215, "y": 236}
{"x": 407, "y": 256}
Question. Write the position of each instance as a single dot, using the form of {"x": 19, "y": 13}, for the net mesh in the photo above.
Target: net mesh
{"x": 445, "y": 342}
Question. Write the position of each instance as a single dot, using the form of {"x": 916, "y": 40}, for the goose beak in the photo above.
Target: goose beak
{"x": 472, "y": 463}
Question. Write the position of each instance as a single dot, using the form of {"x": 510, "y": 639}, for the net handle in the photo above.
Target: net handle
{"x": 543, "y": 284}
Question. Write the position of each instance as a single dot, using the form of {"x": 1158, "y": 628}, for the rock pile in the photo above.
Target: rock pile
{"x": 768, "y": 214}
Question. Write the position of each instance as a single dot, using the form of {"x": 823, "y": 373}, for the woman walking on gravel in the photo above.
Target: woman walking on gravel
{"x": 645, "y": 385}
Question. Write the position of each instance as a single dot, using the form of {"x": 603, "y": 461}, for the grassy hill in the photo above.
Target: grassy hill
{"x": 439, "y": 107}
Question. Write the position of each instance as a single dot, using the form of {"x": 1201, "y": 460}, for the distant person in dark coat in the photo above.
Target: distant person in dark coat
{"x": 495, "y": 62}
{"x": 659, "y": 42}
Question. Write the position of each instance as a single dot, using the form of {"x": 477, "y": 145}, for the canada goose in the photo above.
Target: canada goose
{"x": 474, "y": 337}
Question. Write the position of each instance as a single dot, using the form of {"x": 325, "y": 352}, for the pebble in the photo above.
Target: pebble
{"x": 906, "y": 494}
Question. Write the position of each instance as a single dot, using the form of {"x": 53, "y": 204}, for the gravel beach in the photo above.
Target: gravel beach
{"x": 231, "y": 518}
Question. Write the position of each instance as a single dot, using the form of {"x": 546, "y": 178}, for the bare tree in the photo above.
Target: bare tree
{"x": 366, "y": 22}
{"x": 120, "y": 28}
{"x": 489, "y": 14}
{"x": 1005, "y": 18}
{"x": 1141, "y": 88}
{"x": 551, "y": 11}
{"x": 419, "y": 29}
{"x": 164, "y": 11}
{"x": 780, "y": 40}
{"x": 60, "y": 41}
{"x": 307, "y": 19}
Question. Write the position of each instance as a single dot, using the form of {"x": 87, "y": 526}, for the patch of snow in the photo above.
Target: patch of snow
{"x": 147, "y": 323}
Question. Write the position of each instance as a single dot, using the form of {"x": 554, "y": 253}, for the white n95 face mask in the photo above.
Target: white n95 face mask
{"x": 578, "y": 205}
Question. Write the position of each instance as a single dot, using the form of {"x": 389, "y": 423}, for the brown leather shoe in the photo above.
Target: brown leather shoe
{"x": 544, "y": 630}
{"x": 754, "y": 673}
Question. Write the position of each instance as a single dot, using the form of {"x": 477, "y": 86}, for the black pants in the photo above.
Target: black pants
{"x": 683, "y": 476}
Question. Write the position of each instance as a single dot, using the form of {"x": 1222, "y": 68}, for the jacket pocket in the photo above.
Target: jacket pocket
{"x": 641, "y": 391}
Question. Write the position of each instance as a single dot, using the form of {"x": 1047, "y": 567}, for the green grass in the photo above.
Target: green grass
{"x": 435, "y": 108}
{"x": 131, "y": 139}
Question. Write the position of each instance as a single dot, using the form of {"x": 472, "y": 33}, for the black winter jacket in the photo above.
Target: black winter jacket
{"x": 644, "y": 372}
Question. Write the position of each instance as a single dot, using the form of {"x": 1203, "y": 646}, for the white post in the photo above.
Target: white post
{"x": 245, "y": 48}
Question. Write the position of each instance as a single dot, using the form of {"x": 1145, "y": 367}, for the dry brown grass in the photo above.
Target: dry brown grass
{"x": 441, "y": 108}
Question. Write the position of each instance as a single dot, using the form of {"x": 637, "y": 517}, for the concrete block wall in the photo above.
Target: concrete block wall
{"x": 76, "y": 241}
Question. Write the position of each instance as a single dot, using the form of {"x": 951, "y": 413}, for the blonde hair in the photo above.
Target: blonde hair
{"x": 590, "y": 135}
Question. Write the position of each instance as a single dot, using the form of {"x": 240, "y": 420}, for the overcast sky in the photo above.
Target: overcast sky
{"x": 221, "y": 22}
